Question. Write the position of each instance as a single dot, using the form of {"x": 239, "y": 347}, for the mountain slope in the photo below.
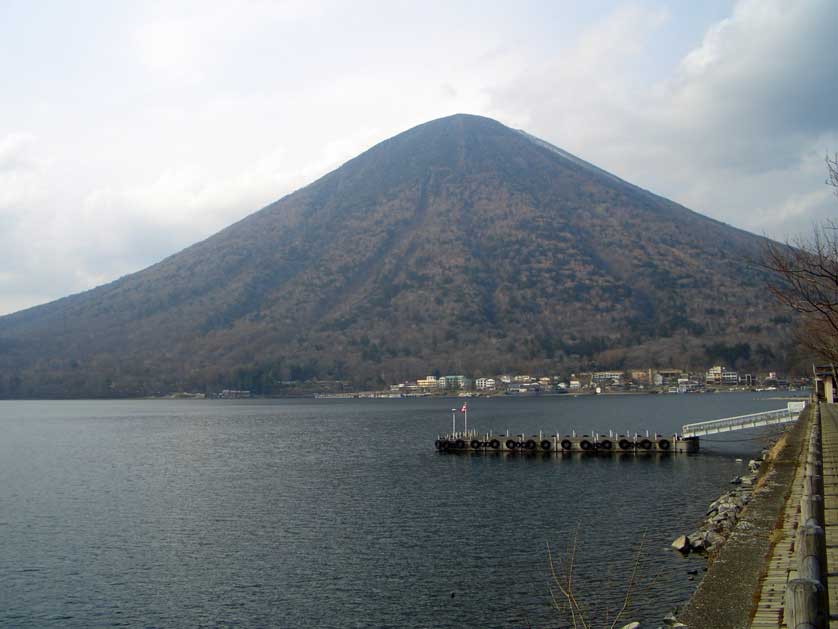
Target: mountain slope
{"x": 459, "y": 245}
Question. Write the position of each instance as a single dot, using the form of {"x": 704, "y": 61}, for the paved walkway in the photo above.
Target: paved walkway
{"x": 829, "y": 423}
{"x": 770, "y": 609}
{"x": 769, "y": 614}
{"x": 725, "y": 598}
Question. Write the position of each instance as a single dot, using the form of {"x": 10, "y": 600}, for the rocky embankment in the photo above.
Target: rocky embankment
{"x": 722, "y": 514}
{"x": 736, "y": 538}
{"x": 738, "y": 534}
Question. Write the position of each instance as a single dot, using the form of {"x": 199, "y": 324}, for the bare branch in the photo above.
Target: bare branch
{"x": 806, "y": 280}
{"x": 631, "y": 583}
{"x": 832, "y": 169}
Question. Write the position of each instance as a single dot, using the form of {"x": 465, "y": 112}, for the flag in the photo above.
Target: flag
{"x": 465, "y": 407}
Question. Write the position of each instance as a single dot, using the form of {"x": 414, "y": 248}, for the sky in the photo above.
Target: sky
{"x": 130, "y": 130}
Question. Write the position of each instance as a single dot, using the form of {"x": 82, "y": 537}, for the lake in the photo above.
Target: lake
{"x": 340, "y": 513}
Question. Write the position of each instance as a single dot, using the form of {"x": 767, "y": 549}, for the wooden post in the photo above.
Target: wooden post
{"x": 802, "y": 604}
{"x": 811, "y": 507}
{"x": 811, "y": 538}
{"x": 812, "y": 484}
{"x": 807, "y": 599}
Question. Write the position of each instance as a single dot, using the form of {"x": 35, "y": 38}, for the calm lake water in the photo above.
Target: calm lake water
{"x": 339, "y": 513}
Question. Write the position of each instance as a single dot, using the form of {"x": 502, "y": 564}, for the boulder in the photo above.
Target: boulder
{"x": 737, "y": 480}
{"x": 631, "y": 625}
{"x": 681, "y": 544}
{"x": 696, "y": 540}
{"x": 713, "y": 540}
{"x": 724, "y": 518}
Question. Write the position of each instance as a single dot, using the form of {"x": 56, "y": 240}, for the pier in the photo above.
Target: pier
{"x": 744, "y": 422}
{"x": 610, "y": 443}
{"x": 686, "y": 442}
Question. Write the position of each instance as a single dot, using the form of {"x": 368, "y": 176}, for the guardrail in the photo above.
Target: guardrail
{"x": 751, "y": 420}
{"x": 807, "y": 601}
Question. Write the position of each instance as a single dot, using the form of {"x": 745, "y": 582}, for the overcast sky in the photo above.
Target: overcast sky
{"x": 130, "y": 130}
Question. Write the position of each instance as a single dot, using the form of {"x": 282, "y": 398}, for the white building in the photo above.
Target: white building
{"x": 485, "y": 384}
{"x": 607, "y": 377}
{"x": 430, "y": 382}
{"x": 721, "y": 375}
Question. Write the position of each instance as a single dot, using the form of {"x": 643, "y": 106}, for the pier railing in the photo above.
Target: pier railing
{"x": 742, "y": 422}
{"x": 807, "y": 603}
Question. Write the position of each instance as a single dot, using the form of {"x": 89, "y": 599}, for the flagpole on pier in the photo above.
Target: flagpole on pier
{"x": 464, "y": 411}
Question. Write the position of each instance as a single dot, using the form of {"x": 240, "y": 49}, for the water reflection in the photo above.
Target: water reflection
{"x": 333, "y": 513}
{"x": 562, "y": 456}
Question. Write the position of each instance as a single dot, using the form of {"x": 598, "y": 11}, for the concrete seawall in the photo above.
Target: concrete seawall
{"x": 729, "y": 594}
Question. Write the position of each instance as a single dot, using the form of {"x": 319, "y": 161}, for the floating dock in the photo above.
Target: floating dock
{"x": 474, "y": 441}
{"x": 685, "y": 443}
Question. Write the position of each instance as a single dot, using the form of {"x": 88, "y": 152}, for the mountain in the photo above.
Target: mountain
{"x": 460, "y": 245}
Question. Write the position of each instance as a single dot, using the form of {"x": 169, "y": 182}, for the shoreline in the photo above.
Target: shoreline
{"x": 802, "y": 395}
{"x": 727, "y": 595}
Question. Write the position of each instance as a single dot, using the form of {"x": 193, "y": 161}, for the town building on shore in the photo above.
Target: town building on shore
{"x": 485, "y": 384}
{"x": 719, "y": 374}
{"x": 826, "y": 380}
{"x": 429, "y": 383}
{"x": 607, "y": 377}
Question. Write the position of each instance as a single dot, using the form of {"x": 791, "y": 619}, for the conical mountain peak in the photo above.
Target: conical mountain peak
{"x": 459, "y": 245}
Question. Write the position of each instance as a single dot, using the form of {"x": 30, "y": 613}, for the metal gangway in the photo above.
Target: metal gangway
{"x": 743, "y": 422}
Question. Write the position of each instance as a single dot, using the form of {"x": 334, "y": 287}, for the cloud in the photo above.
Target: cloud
{"x": 21, "y": 173}
{"x": 754, "y": 107}
{"x": 182, "y": 45}
{"x": 26, "y": 215}
{"x": 203, "y": 116}
{"x": 738, "y": 131}
{"x": 763, "y": 77}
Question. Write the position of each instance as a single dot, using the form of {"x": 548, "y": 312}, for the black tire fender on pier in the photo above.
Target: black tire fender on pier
{"x": 475, "y": 444}
{"x": 663, "y": 444}
{"x": 459, "y": 444}
{"x": 545, "y": 444}
{"x": 625, "y": 444}
{"x": 585, "y": 444}
{"x": 438, "y": 444}
{"x": 444, "y": 444}
{"x": 605, "y": 444}
{"x": 494, "y": 444}
{"x": 566, "y": 444}
{"x": 530, "y": 444}
{"x": 645, "y": 444}
{"x": 510, "y": 444}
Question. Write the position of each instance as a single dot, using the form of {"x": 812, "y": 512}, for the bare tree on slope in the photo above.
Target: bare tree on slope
{"x": 806, "y": 280}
